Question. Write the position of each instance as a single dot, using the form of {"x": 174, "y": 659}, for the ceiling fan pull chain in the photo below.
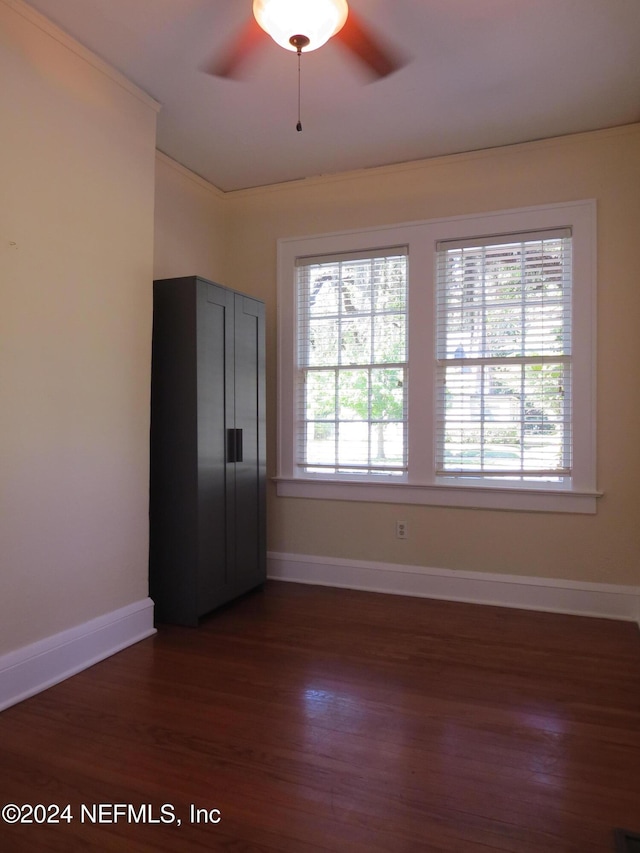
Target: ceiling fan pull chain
{"x": 299, "y": 124}
{"x": 299, "y": 41}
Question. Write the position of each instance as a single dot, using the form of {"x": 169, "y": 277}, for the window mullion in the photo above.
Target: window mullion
{"x": 372, "y": 359}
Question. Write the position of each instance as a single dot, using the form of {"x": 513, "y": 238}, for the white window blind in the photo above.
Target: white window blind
{"x": 351, "y": 372}
{"x": 503, "y": 333}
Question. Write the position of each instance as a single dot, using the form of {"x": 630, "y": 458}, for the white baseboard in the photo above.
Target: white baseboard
{"x": 33, "y": 668}
{"x": 608, "y": 601}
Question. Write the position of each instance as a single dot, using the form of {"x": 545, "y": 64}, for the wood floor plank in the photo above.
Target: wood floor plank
{"x": 331, "y": 720}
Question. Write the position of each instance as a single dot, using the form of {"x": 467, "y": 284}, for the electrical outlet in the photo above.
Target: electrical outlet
{"x": 402, "y": 530}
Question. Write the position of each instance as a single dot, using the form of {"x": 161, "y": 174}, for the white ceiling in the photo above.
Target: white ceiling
{"x": 480, "y": 73}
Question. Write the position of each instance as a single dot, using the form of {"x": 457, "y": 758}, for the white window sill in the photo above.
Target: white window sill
{"x": 534, "y": 498}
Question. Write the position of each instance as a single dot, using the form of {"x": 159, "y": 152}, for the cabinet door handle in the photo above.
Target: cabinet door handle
{"x": 231, "y": 445}
{"x": 234, "y": 445}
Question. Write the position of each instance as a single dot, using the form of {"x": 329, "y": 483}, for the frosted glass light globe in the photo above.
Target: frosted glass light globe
{"x": 318, "y": 20}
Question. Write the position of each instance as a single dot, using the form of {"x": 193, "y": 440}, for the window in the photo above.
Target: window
{"x": 351, "y": 373}
{"x": 504, "y": 334}
{"x": 447, "y": 362}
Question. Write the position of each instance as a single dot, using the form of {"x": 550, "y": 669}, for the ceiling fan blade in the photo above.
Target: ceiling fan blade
{"x": 380, "y": 58}
{"x": 228, "y": 61}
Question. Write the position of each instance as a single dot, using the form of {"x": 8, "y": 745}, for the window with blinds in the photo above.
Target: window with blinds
{"x": 483, "y": 394}
{"x": 503, "y": 341}
{"x": 351, "y": 374}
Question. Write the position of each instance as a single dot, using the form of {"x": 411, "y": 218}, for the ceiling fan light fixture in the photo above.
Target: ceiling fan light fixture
{"x": 284, "y": 20}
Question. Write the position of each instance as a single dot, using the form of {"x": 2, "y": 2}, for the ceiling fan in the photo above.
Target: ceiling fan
{"x": 302, "y": 26}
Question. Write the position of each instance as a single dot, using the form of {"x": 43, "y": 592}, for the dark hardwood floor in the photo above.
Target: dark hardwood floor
{"x": 319, "y": 719}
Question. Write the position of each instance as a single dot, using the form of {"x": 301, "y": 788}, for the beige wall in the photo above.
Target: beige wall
{"x": 76, "y": 231}
{"x": 603, "y": 165}
{"x": 190, "y": 224}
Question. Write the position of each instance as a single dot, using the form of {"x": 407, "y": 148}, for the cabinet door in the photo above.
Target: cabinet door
{"x": 215, "y": 401}
{"x": 249, "y": 419}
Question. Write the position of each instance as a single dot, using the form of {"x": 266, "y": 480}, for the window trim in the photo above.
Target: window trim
{"x": 422, "y": 486}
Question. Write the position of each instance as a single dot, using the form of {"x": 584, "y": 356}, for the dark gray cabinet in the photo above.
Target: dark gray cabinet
{"x": 207, "y": 485}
